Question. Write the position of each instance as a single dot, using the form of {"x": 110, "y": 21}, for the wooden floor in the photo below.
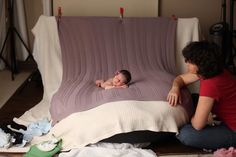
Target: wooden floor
{"x": 31, "y": 92}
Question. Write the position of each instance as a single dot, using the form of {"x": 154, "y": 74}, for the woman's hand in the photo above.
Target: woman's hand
{"x": 174, "y": 96}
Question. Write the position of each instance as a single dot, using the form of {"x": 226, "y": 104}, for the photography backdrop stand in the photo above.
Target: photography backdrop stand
{"x": 10, "y": 34}
{"x": 223, "y": 34}
{"x": 231, "y": 63}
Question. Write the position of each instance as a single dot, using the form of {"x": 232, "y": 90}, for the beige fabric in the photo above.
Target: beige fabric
{"x": 82, "y": 128}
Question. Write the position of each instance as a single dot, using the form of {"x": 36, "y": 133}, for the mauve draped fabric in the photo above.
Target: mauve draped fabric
{"x": 96, "y": 47}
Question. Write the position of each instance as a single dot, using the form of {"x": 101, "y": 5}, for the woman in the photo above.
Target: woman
{"x": 217, "y": 95}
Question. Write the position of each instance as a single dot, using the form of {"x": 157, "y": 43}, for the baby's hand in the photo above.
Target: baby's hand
{"x": 109, "y": 87}
{"x": 124, "y": 86}
{"x": 99, "y": 82}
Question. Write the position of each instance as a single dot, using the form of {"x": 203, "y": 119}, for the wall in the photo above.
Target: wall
{"x": 33, "y": 10}
{"x": 207, "y": 11}
{"x": 142, "y": 8}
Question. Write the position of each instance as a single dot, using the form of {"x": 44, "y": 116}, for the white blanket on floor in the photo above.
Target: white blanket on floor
{"x": 109, "y": 150}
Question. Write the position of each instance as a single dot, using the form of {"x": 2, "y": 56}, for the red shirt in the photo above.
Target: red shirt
{"x": 222, "y": 88}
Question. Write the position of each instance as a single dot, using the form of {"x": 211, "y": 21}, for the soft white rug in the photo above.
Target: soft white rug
{"x": 9, "y": 86}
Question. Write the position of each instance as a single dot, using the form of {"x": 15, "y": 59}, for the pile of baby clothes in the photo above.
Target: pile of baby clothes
{"x": 45, "y": 149}
{"x": 17, "y": 135}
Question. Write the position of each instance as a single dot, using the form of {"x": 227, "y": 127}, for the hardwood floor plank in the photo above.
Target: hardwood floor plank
{"x": 27, "y": 96}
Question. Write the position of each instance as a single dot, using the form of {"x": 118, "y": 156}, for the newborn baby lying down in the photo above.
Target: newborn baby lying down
{"x": 120, "y": 80}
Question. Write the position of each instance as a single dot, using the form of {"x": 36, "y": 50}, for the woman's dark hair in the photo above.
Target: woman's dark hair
{"x": 127, "y": 75}
{"x": 207, "y": 56}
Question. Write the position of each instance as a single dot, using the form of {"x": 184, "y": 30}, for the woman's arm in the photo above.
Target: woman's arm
{"x": 174, "y": 96}
{"x": 204, "y": 107}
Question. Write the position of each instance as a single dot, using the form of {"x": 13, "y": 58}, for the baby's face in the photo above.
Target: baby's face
{"x": 119, "y": 80}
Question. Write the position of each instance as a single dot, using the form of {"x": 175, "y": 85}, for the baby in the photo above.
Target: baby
{"x": 120, "y": 80}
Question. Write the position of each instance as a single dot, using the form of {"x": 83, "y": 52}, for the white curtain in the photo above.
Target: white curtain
{"x": 47, "y": 7}
{"x": 2, "y": 30}
{"x": 20, "y": 24}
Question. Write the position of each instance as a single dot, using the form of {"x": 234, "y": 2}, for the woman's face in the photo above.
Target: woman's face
{"x": 192, "y": 68}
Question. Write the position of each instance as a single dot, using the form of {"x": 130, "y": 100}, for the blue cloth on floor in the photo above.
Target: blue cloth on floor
{"x": 37, "y": 129}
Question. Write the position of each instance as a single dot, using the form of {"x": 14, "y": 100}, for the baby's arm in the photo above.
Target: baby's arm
{"x": 107, "y": 84}
{"x": 111, "y": 86}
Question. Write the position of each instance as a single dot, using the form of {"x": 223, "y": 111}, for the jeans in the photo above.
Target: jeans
{"x": 211, "y": 137}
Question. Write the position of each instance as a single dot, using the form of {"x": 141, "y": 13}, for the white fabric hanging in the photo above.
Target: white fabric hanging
{"x": 47, "y": 7}
{"x": 2, "y": 30}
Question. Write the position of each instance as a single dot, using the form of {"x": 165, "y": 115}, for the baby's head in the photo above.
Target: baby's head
{"x": 122, "y": 77}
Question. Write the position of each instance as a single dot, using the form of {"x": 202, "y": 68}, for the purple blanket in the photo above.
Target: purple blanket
{"x": 96, "y": 47}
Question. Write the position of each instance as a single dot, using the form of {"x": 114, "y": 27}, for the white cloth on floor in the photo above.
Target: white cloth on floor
{"x": 111, "y": 150}
{"x": 4, "y": 139}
